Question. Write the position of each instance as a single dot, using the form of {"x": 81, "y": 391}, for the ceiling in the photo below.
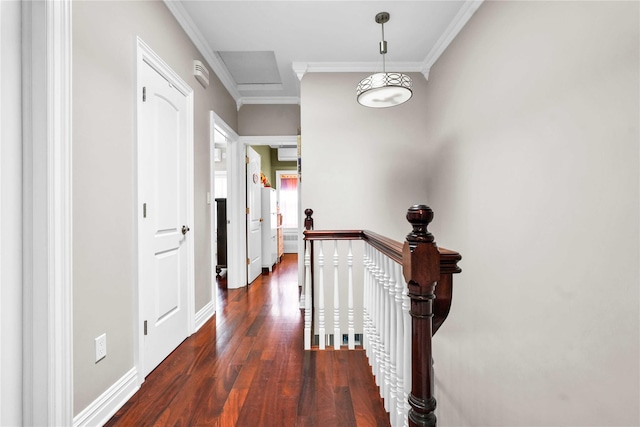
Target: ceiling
{"x": 261, "y": 49}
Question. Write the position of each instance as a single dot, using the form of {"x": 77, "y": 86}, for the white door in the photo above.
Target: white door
{"x": 254, "y": 219}
{"x": 163, "y": 231}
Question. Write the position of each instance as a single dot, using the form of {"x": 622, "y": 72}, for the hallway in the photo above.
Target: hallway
{"x": 247, "y": 367}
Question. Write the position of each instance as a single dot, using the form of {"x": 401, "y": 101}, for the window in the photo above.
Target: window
{"x": 289, "y": 200}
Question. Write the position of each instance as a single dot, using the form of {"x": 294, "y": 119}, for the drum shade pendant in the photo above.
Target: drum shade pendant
{"x": 384, "y": 89}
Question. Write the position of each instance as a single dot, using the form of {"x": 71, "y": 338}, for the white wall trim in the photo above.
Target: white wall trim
{"x": 236, "y": 202}
{"x": 108, "y": 403}
{"x": 3, "y": 301}
{"x": 190, "y": 28}
{"x": 216, "y": 122}
{"x": 213, "y": 212}
{"x": 301, "y": 68}
{"x": 48, "y": 302}
{"x": 205, "y": 314}
{"x": 224, "y": 127}
{"x": 290, "y": 246}
{"x": 11, "y": 214}
{"x": 459, "y": 21}
{"x": 272, "y": 140}
{"x": 146, "y": 55}
{"x": 269, "y": 100}
{"x": 236, "y": 215}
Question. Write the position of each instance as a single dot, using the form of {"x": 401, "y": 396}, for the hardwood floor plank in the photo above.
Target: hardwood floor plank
{"x": 308, "y": 403}
{"x": 247, "y": 367}
{"x": 367, "y": 404}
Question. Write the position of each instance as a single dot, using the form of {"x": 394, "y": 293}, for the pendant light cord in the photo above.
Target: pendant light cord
{"x": 383, "y": 50}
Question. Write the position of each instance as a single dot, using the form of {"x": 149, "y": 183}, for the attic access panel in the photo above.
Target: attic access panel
{"x": 252, "y": 68}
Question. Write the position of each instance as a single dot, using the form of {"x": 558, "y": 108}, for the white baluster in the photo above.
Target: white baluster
{"x": 372, "y": 326}
{"x": 337, "y": 336}
{"x": 386, "y": 378}
{"x": 365, "y": 300}
{"x": 400, "y": 411}
{"x": 307, "y": 294}
{"x": 406, "y": 318}
{"x": 376, "y": 318}
{"x": 350, "y": 313}
{"x": 393, "y": 342}
{"x": 321, "y": 325}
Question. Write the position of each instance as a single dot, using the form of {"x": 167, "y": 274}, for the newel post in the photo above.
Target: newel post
{"x": 308, "y": 221}
{"x": 421, "y": 269}
{"x": 308, "y": 225}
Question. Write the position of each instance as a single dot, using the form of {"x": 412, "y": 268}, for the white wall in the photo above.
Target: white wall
{"x": 104, "y": 99}
{"x": 10, "y": 215}
{"x": 357, "y": 170}
{"x": 525, "y": 143}
{"x": 533, "y": 162}
{"x": 262, "y": 120}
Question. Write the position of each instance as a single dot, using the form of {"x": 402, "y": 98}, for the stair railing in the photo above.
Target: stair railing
{"x": 407, "y": 293}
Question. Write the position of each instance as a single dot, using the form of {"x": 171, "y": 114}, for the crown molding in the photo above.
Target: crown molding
{"x": 459, "y": 21}
{"x": 273, "y": 141}
{"x": 277, "y": 100}
{"x": 260, "y": 86}
{"x": 301, "y": 68}
{"x": 189, "y": 27}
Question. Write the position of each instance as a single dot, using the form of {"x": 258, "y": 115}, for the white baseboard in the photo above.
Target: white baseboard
{"x": 103, "y": 408}
{"x": 204, "y": 314}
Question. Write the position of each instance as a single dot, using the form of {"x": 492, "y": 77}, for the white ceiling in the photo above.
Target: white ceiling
{"x": 307, "y": 36}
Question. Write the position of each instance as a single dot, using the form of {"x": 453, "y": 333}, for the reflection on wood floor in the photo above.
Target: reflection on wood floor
{"x": 247, "y": 367}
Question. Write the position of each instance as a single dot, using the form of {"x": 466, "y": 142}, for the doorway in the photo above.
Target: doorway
{"x": 288, "y": 199}
{"x": 219, "y": 218}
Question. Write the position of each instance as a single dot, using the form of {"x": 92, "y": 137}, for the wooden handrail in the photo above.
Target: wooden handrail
{"x": 389, "y": 247}
{"x": 428, "y": 271}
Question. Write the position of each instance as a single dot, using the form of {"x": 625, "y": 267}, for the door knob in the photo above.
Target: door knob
{"x": 184, "y": 229}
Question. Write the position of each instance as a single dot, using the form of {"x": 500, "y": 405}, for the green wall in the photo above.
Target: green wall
{"x": 269, "y": 162}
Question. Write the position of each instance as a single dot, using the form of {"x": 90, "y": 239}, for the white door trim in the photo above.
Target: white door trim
{"x": 216, "y": 121}
{"x": 236, "y": 196}
{"x": 47, "y": 207}
{"x": 237, "y": 231}
{"x": 271, "y": 140}
{"x": 146, "y": 55}
{"x": 299, "y": 229}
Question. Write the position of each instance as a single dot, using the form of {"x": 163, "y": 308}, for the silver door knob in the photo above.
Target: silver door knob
{"x": 184, "y": 229}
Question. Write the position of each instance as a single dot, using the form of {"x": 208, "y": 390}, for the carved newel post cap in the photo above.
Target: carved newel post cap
{"x": 308, "y": 221}
{"x": 420, "y": 216}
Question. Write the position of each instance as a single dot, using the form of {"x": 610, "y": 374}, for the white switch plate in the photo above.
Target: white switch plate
{"x": 208, "y": 198}
{"x": 101, "y": 347}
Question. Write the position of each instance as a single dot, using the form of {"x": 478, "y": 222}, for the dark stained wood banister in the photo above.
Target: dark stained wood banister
{"x": 393, "y": 249}
{"x": 428, "y": 271}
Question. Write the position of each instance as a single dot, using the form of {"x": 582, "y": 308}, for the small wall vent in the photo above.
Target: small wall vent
{"x": 201, "y": 73}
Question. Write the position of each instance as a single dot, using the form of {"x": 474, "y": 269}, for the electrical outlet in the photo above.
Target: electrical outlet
{"x": 101, "y": 347}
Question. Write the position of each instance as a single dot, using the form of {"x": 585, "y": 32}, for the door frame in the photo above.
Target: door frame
{"x": 236, "y": 230}
{"x": 236, "y": 161}
{"x": 279, "y": 174}
{"x": 144, "y": 54}
{"x": 47, "y": 361}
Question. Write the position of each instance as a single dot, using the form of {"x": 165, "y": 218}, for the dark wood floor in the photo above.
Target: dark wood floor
{"x": 247, "y": 367}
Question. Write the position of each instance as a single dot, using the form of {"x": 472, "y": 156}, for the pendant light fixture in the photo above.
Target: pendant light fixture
{"x": 384, "y": 89}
